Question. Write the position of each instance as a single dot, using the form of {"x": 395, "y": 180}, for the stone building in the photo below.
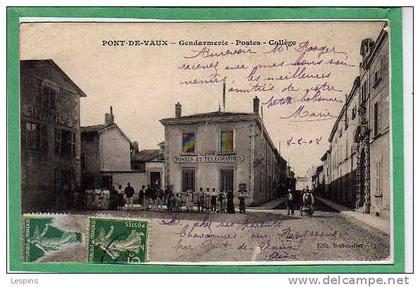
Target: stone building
{"x": 50, "y": 136}
{"x": 341, "y": 178}
{"x": 150, "y": 162}
{"x": 357, "y": 164}
{"x": 373, "y": 131}
{"x": 222, "y": 150}
{"x": 110, "y": 158}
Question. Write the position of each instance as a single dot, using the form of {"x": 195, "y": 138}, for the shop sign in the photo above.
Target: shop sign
{"x": 231, "y": 158}
{"x": 48, "y": 116}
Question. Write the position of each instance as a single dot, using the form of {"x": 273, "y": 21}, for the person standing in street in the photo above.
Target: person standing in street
{"x": 121, "y": 202}
{"x": 242, "y": 195}
{"x": 213, "y": 200}
{"x": 147, "y": 197}
{"x": 160, "y": 198}
{"x": 129, "y": 193}
{"x": 290, "y": 203}
{"x": 200, "y": 200}
{"x": 153, "y": 198}
{"x": 207, "y": 200}
{"x": 189, "y": 201}
{"x": 141, "y": 197}
{"x": 230, "y": 204}
{"x": 168, "y": 198}
{"x": 113, "y": 199}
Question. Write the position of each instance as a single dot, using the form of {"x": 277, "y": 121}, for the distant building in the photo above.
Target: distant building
{"x": 357, "y": 164}
{"x": 151, "y": 163}
{"x": 290, "y": 178}
{"x": 50, "y": 133}
{"x": 223, "y": 150}
{"x": 318, "y": 180}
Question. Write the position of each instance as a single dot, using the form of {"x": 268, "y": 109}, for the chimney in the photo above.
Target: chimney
{"x": 109, "y": 117}
{"x": 178, "y": 110}
{"x": 136, "y": 146}
{"x": 256, "y": 105}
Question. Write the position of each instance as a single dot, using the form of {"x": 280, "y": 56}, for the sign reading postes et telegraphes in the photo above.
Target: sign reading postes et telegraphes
{"x": 208, "y": 158}
{"x": 47, "y": 115}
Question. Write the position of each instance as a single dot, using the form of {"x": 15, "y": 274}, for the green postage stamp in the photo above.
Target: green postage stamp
{"x": 118, "y": 240}
{"x": 46, "y": 238}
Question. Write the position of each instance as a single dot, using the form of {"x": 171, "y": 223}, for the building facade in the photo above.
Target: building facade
{"x": 341, "y": 157}
{"x": 50, "y": 136}
{"x": 110, "y": 158}
{"x": 150, "y": 162}
{"x": 222, "y": 150}
{"x": 359, "y": 142}
{"x": 375, "y": 71}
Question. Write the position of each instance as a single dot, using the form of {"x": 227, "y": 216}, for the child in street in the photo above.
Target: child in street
{"x": 189, "y": 201}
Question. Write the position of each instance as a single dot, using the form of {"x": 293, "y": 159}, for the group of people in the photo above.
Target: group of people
{"x": 154, "y": 198}
{"x": 306, "y": 202}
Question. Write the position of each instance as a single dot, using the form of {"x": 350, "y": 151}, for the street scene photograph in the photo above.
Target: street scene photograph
{"x": 262, "y": 142}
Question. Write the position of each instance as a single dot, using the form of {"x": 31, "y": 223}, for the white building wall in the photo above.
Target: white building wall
{"x": 207, "y": 142}
{"x": 114, "y": 151}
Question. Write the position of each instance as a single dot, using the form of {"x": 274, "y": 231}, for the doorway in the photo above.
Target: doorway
{"x": 155, "y": 180}
{"x": 226, "y": 180}
{"x": 188, "y": 180}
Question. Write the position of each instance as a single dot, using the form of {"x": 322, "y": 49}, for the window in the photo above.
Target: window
{"x": 65, "y": 142}
{"x": 376, "y": 119}
{"x": 226, "y": 141}
{"x": 36, "y": 136}
{"x": 377, "y": 77}
{"x": 364, "y": 92}
{"x": 188, "y": 180}
{"x": 48, "y": 96}
{"x": 226, "y": 180}
{"x": 188, "y": 142}
{"x": 353, "y": 113}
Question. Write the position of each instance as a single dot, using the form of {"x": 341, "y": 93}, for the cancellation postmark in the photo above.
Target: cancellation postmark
{"x": 118, "y": 241}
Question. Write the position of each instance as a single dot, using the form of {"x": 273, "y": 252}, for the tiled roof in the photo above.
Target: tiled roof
{"x": 147, "y": 155}
{"x": 93, "y": 128}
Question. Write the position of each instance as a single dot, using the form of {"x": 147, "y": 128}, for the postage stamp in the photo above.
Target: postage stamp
{"x": 45, "y": 236}
{"x": 118, "y": 240}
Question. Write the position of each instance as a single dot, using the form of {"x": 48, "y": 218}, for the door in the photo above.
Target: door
{"x": 226, "y": 180}
{"x": 155, "y": 179}
{"x": 188, "y": 179}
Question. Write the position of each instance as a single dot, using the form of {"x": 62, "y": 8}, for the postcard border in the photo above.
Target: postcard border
{"x": 393, "y": 15}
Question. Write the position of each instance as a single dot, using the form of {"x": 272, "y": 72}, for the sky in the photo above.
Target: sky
{"x": 142, "y": 82}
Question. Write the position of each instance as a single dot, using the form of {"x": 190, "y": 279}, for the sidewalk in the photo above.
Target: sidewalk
{"x": 371, "y": 220}
{"x": 268, "y": 205}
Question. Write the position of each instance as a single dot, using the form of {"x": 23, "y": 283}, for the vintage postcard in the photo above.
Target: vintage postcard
{"x": 193, "y": 142}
